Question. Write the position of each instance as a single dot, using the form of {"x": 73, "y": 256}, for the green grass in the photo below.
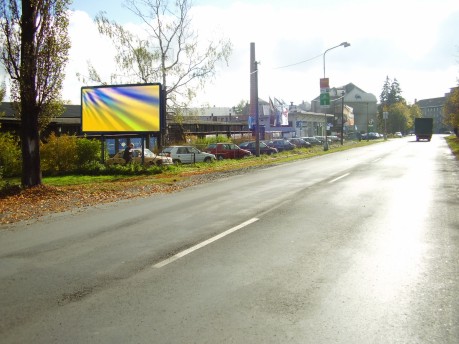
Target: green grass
{"x": 79, "y": 179}
{"x": 453, "y": 143}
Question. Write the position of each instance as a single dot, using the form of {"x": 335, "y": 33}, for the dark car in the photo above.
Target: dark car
{"x": 264, "y": 148}
{"x": 227, "y": 151}
{"x": 281, "y": 145}
{"x": 322, "y": 139}
{"x": 370, "y": 136}
{"x": 300, "y": 142}
{"x": 312, "y": 140}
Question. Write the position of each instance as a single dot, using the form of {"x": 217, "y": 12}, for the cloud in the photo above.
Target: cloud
{"x": 87, "y": 46}
{"x": 411, "y": 40}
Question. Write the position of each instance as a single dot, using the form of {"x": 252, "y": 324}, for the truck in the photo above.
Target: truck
{"x": 423, "y": 128}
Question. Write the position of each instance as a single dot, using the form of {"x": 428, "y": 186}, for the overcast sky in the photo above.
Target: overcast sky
{"x": 413, "y": 41}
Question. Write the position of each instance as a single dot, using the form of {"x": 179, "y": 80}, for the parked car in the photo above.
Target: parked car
{"x": 398, "y": 134}
{"x": 227, "y": 151}
{"x": 299, "y": 142}
{"x": 334, "y": 138}
{"x": 150, "y": 158}
{"x": 371, "y": 136}
{"x": 264, "y": 148}
{"x": 187, "y": 155}
{"x": 322, "y": 139}
{"x": 312, "y": 140}
{"x": 281, "y": 145}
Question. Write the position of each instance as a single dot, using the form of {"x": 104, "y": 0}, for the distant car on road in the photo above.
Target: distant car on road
{"x": 227, "y": 151}
{"x": 150, "y": 158}
{"x": 264, "y": 148}
{"x": 398, "y": 134}
{"x": 187, "y": 155}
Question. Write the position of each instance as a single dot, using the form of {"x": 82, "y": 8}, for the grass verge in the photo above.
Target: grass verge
{"x": 453, "y": 143}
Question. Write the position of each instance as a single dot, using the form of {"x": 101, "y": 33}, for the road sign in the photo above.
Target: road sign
{"x": 324, "y": 92}
{"x": 324, "y": 99}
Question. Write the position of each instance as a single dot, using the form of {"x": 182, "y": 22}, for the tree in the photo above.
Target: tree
{"x": 384, "y": 97}
{"x": 2, "y": 96}
{"x": 401, "y": 115}
{"x": 415, "y": 112}
{"x": 34, "y": 50}
{"x": 169, "y": 51}
{"x": 399, "y": 118}
{"x": 242, "y": 108}
{"x": 395, "y": 93}
{"x": 391, "y": 93}
{"x": 451, "y": 110}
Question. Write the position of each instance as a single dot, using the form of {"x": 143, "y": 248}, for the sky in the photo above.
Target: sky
{"x": 413, "y": 41}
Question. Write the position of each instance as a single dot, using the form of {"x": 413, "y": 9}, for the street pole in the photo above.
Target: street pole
{"x": 254, "y": 96}
{"x": 257, "y": 117}
{"x": 385, "y": 115}
{"x": 368, "y": 126}
{"x": 343, "y": 44}
{"x": 342, "y": 120}
{"x": 229, "y": 124}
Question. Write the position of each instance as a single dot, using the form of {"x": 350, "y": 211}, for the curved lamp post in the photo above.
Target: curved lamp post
{"x": 344, "y": 44}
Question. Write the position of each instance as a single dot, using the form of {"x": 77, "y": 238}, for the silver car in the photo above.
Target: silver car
{"x": 187, "y": 155}
{"x": 149, "y": 158}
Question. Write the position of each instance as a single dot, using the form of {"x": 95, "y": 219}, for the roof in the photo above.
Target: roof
{"x": 353, "y": 94}
{"x": 71, "y": 111}
{"x": 432, "y": 102}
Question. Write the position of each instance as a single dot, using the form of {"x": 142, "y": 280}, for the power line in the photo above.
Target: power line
{"x": 297, "y": 63}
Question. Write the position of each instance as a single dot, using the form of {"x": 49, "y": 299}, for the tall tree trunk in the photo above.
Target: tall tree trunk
{"x": 30, "y": 140}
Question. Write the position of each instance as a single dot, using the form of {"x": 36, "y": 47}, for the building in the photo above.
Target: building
{"x": 433, "y": 107}
{"x": 364, "y": 107}
{"x": 68, "y": 123}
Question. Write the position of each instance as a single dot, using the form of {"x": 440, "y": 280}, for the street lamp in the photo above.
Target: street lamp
{"x": 344, "y": 44}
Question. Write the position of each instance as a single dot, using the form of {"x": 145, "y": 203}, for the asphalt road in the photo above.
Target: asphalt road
{"x": 360, "y": 246}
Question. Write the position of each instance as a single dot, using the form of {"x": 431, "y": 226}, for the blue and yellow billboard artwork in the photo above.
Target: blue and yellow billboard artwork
{"x": 121, "y": 108}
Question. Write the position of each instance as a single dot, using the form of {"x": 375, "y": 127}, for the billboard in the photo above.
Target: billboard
{"x": 121, "y": 108}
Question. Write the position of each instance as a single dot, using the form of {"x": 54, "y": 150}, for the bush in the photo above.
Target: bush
{"x": 10, "y": 156}
{"x": 67, "y": 153}
{"x": 208, "y": 140}
{"x": 58, "y": 154}
{"x": 88, "y": 151}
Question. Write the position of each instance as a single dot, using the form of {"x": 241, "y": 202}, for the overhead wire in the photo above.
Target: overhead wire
{"x": 297, "y": 63}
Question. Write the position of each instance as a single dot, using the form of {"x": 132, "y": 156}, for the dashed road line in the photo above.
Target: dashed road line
{"x": 204, "y": 243}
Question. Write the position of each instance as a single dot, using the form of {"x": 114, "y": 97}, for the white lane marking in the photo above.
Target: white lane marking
{"x": 204, "y": 243}
{"x": 340, "y": 177}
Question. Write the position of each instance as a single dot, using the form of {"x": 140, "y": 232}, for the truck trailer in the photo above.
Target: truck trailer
{"x": 423, "y": 128}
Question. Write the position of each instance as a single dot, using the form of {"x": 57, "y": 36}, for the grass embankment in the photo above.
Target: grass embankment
{"x": 453, "y": 143}
{"x": 71, "y": 192}
{"x": 172, "y": 174}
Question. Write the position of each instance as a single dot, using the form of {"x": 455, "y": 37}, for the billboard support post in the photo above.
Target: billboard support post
{"x": 103, "y": 149}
